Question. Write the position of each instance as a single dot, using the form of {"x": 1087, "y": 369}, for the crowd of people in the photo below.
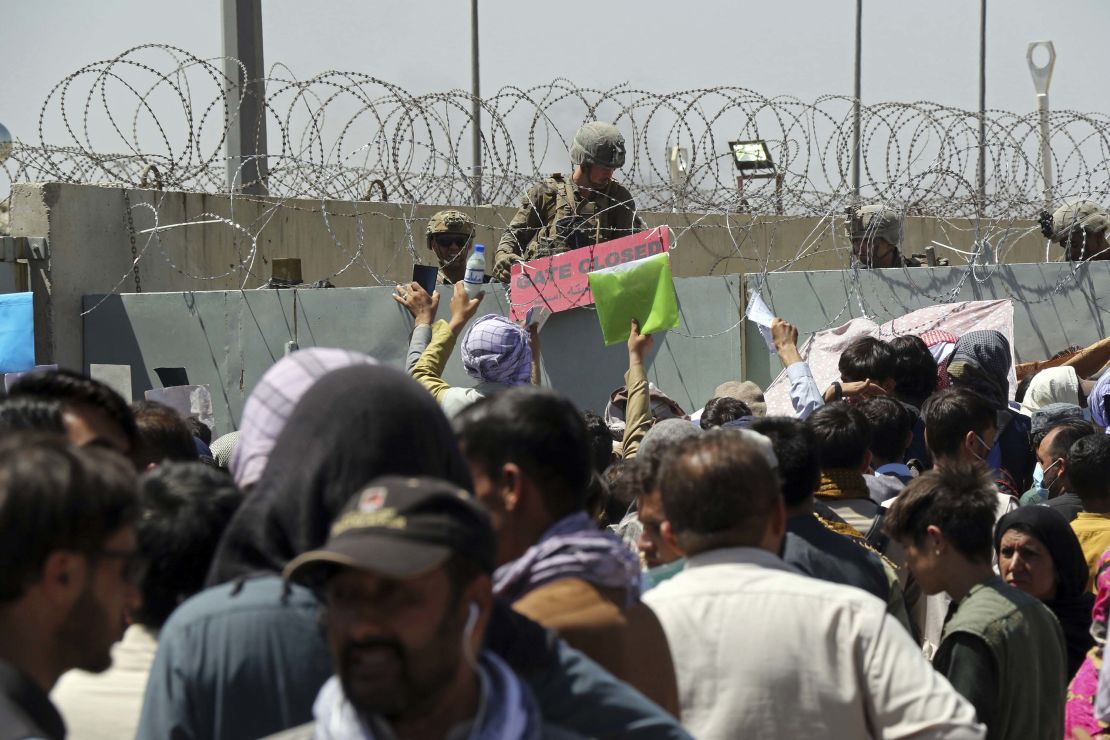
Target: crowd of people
{"x": 912, "y": 552}
{"x": 917, "y": 550}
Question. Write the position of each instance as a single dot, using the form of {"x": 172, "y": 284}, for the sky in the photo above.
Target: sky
{"x": 912, "y": 50}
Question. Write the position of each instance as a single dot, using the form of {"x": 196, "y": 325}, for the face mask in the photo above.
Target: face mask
{"x": 986, "y": 448}
{"x": 1049, "y": 484}
{"x": 1038, "y": 476}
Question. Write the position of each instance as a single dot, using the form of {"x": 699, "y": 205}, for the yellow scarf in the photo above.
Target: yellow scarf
{"x": 842, "y": 483}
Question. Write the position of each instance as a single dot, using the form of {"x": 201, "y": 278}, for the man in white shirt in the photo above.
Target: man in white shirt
{"x": 763, "y": 651}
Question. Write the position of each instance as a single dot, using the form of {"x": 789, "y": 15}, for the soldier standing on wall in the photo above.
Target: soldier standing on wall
{"x": 558, "y": 215}
{"x": 876, "y": 233}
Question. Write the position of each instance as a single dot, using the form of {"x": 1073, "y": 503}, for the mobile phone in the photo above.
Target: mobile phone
{"x": 425, "y": 276}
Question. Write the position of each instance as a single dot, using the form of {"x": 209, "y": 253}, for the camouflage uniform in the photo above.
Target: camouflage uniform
{"x": 882, "y": 222}
{"x": 556, "y": 216}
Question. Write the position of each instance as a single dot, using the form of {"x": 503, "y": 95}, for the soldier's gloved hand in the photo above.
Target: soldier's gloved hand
{"x": 503, "y": 268}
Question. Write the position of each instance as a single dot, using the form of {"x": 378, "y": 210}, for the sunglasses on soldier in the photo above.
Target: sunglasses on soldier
{"x": 446, "y": 240}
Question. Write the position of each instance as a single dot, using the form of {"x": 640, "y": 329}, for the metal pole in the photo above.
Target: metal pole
{"x": 856, "y": 103}
{"x": 475, "y": 105}
{"x": 1042, "y": 76}
{"x": 246, "y": 96}
{"x": 982, "y": 106}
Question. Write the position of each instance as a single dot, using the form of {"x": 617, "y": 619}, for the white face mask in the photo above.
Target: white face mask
{"x": 1038, "y": 476}
{"x": 1049, "y": 484}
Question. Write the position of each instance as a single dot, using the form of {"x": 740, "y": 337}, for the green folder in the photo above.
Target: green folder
{"x": 642, "y": 289}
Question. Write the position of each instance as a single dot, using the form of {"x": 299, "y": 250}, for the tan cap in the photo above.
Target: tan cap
{"x": 1081, "y": 214}
{"x": 746, "y": 391}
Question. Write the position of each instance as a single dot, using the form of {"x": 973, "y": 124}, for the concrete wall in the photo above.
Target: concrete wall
{"x": 228, "y": 339}
{"x": 1055, "y": 306}
{"x": 359, "y": 244}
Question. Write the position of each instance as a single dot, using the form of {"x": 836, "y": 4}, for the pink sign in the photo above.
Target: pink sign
{"x": 559, "y": 283}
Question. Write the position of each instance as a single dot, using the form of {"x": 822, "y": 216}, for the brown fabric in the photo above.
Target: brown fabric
{"x": 1086, "y": 361}
{"x": 840, "y": 483}
{"x": 630, "y": 644}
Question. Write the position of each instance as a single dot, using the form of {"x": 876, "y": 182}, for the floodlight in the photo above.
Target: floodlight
{"x": 751, "y": 155}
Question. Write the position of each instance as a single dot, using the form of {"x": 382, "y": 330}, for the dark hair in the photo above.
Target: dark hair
{"x": 799, "y": 458}
{"x": 1068, "y": 432}
{"x": 950, "y": 415}
{"x": 915, "y": 369}
{"x": 73, "y": 389}
{"x": 31, "y": 413}
{"x": 538, "y": 430}
{"x": 718, "y": 491}
{"x": 1023, "y": 388}
{"x": 891, "y": 425}
{"x": 185, "y": 508}
{"x": 163, "y": 435}
{"x": 722, "y": 410}
{"x": 199, "y": 429}
{"x": 843, "y": 435}
{"x": 601, "y": 441}
{"x": 1089, "y": 467}
{"x": 959, "y": 499}
{"x": 54, "y": 496}
{"x": 867, "y": 358}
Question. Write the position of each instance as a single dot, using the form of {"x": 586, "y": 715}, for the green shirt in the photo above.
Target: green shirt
{"x": 1003, "y": 650}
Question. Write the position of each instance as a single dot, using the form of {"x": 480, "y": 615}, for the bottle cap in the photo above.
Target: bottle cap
{"x": 480, "y": 248}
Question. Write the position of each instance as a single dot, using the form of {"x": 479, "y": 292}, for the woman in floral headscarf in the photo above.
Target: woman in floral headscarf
{"x": 1079, "y": 712}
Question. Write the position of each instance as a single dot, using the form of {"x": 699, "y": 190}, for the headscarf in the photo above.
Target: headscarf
{"x": 1054, "y": 385}
{"x": 273, "y": 399}
{"x": 1096, "y": 401}
{"x": 497, "y": 350}
{"x": 356, "y": 424}
{"x": 1073, "y": 602}
{"x": 941, "y": 344}
{"x": 981, "y": 362}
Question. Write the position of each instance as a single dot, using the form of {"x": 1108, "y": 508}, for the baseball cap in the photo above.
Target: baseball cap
{"x": 746, "y": 391}
{"x": 401, "y": 527}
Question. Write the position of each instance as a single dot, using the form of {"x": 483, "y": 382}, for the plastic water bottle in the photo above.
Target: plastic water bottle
{"x": 475, "y": 271}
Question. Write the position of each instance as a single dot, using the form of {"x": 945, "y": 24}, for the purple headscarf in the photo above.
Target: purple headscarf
{"x": 572, "y": 548}
{"x": 497, "y": 350}
{"x": 273, "y": 399}
{"x": 1096, "y": 401}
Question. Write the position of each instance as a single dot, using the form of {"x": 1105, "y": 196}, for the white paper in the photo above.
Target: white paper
{"x": 758, "y": 312}
{"x": 187, "y": 400}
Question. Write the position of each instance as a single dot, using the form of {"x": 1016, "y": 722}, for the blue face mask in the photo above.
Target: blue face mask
{"x": 1038, "y": 476}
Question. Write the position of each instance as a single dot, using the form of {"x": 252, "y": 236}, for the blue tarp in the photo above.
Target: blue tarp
{"x": 17, "y": 333}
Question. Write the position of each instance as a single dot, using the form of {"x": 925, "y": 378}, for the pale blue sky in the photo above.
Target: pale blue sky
{"x": 913, "y": 50}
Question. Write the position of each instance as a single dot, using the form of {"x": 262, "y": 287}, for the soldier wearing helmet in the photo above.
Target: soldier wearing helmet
{"x": 1080, "y": 228}
{"x": 559, "y": 214}
{"x": 876, "y": 233}
{"x": 449, "y": 235}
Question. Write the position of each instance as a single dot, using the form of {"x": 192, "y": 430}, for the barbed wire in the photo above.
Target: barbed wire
{"x": 156, "y": 116}
{"x": 332, "y": 135}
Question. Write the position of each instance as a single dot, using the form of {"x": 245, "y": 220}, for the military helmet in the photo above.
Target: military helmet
{"x": 450, "y": 222}
{"x": 598, "y": 143}
{"x": 874, "y": 221}
{"x": 1081, "y": 214}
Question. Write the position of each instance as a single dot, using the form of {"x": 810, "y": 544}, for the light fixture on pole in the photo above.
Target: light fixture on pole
{"x": 680, "y": 175}
{"x": 754, "y": 162}
{"x": 1042, "y": 77}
